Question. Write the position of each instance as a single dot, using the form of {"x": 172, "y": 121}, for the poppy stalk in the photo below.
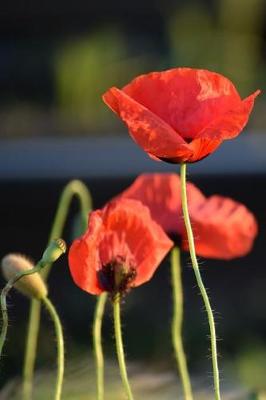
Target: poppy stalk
{"x": 200, "y": 282}
{"x": 73, "y": 189}
{"x": 97, "y": 343}
{"x": 177, "y": 323}
{"x": 120, "y": 347}
{"x": 60, "y": 346}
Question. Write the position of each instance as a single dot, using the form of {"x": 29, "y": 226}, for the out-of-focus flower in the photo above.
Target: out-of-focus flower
{"x": 223, "y": 228}
{"x": 161, "y": 194}
{"x": 180, "y": 115}
{"x": 121, "y": 248}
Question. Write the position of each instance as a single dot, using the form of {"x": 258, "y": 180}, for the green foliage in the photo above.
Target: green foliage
{"x": 251, "y": 368}
{"x": 84, "y": 69}
{"x": 228, "y": 40}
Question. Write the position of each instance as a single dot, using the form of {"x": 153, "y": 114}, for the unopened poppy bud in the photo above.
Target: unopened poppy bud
{"x": 54, "y": 250}
{"x": 31, "y": 285}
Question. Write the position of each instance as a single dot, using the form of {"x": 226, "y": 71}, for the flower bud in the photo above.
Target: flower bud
{"x": 54, "y": 250}
{"x": 31, "y": 285}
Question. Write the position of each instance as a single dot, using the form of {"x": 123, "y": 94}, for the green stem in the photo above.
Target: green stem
{"x": 72, "y": 189}
{"x": 200, "y": 282}
{"x": 97, "y": 343}
{"x": 31, "y": 346}
{"x": 4, "y": 318}
{"x": 119, "y": 346}
{"x": 177, "y": 323}
{"x": 4, "y": 294}
{"x": 60, "y": 347}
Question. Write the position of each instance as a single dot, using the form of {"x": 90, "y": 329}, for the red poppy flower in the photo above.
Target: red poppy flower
{"x": 180, "y": 115}
{"x": 223, "y": 228}
{"x": 122, "y": 248}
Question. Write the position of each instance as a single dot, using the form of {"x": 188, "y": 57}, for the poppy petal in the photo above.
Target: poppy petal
{"x": 187, "y": 99}
{"x": 147, "y": 129}
{"x": 83, "y": 256}
{"x": 230, "y": 124}
{"x": 201, "y": 148}
{"x": 223, "y": 228}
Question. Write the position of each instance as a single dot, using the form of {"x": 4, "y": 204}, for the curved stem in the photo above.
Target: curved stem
{"x": 31, "y": 346}
{"x": 60, "y": 347}
{"x": 177, "y": 323}
{"x": 72, "y": 189}
{"x": 97, "y": 344}
{"x": 119, "y": 346}
{"x": 200, "y": 282}
{"x": 4, "y": 317}
{"x": 4, "y": 294}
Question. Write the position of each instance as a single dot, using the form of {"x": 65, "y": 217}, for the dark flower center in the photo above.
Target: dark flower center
{"x": 116, "y": 276}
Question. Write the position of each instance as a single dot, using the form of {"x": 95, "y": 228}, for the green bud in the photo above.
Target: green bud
{"x": 54, "y": 250}
{"x": 31, "y": 285}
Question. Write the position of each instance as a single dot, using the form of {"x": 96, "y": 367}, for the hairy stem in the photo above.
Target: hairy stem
{"x": 119, "y": 347}
{"x": 31, "y": 346}
{"x": 97, "y": 344}
{"x": 177, "y": 323}
{"x": 200, "y": 283}
{"x": 60, "y": 347}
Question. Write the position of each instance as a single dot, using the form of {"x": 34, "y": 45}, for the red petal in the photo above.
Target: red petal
{"x": 83, "y": 256}
{"x": 230, "y": 124}
{"x": 138, "y": 234}
{"x": 161, "y": 193}
{"x": 147, "y": 129}
{"x": 223, "y": 228}
{"x": 201, "y": 148}
{"x": 186, "y": 99}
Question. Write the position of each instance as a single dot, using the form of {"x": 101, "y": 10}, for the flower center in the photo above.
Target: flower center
{"x": 116, "y": 276}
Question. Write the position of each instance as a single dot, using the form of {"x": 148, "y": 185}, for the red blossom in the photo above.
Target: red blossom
{"x": 180, "y": 115}
{"x": 223, "y": 228}
{"x": 121, "y": 248}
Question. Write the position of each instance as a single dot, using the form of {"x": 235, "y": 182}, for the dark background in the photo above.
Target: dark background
{"x": 236, "y": 288}
{"x": 56, "y": 60}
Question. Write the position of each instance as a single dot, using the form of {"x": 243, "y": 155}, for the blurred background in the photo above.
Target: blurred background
{"x": 56, "y": 60}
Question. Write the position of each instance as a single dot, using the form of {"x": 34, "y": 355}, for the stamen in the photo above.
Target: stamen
{"x": 116, "y": 276}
